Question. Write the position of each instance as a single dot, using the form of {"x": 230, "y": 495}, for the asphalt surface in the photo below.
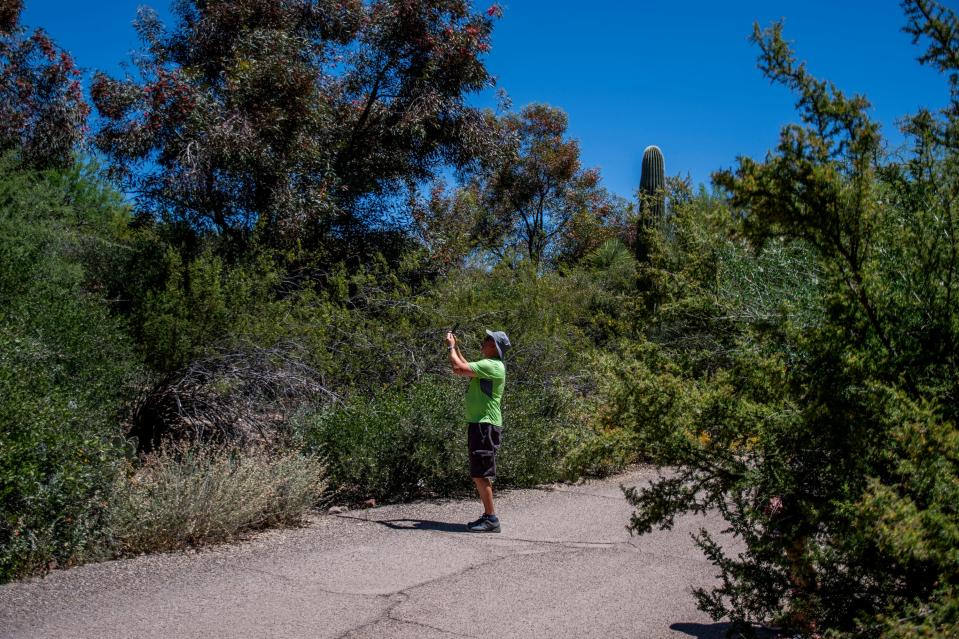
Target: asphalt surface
{"x": 563, "y": 566}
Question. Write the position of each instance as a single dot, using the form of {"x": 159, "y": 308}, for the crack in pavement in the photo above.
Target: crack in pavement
{"x": 659, "y": 555}
{"x": 378, "y": 618}
{"x": 426, "y": 625}
{"x": 569, "y": 543}
{"x": 579, "y": 492}
{"x": 387, "y": 614}
{"x": 398, "y": 598}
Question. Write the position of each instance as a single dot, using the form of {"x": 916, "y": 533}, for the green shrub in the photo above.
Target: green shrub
{"x": 190, "y": 495}
{"x": 815, "y": 408}
{"x": 59, "y": 450}
{"x": 399, "y": 443}
{"x": 407, "y": 442}
{"x": 67, "y": 369}
{"x": 542, "y": 424}
{"x": 602, "y": 452}
{"x": 194, "y": 305}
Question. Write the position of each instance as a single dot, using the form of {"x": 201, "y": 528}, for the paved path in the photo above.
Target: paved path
{"x": 564, "y": 566}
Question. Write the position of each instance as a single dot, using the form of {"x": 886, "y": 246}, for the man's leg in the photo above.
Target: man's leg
{"x": 484, "y": 440}
{"x": 485, "y": 489}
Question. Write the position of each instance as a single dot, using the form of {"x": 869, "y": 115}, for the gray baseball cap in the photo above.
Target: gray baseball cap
{"x": 501, "y": 341}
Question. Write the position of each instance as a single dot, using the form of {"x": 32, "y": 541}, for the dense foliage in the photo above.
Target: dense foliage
{"x": 823, "y": 427}
{"x": 67, "y": 367}
{"x": 285, "y": 121}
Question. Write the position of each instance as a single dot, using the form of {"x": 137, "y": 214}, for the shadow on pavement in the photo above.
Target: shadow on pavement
{"x": 716, "y": 630}
{"x": 423, "y": 524}
{"x": 420, "y": 524}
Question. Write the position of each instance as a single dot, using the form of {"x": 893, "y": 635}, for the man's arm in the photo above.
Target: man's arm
{"x": 459, "y": 363}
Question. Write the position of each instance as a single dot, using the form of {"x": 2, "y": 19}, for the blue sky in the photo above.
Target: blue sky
{"x": 681, "y": 75}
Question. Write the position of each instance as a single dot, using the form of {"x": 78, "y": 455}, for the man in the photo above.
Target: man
{"x": 485, "y": 419}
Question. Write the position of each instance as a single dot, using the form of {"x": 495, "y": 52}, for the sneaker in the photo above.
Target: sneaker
{"x": 486, "y": 523}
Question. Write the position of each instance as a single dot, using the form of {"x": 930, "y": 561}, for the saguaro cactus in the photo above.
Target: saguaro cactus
{"x": 652, "y": 185}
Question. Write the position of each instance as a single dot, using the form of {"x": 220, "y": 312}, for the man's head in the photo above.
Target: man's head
{"x": 495, "y": 344}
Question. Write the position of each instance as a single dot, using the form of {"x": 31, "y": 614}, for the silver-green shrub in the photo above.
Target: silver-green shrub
{"x": 187, "y": 495}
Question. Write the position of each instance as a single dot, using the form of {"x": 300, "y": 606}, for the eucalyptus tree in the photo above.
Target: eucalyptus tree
{"x": 43, "y": 114}
{"x": 288, "y": 120}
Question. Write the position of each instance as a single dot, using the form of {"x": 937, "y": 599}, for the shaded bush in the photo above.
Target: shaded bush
{"x": 239, "y": 397}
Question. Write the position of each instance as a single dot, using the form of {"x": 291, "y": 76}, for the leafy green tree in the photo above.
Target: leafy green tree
{"x": 535, "y": 190}
{"x": 827, "y": 438}
{"x": 449, "y": 224}
{"x": 280, "y": 118}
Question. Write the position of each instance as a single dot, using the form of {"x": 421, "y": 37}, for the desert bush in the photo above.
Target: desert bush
{"x": 239, "y": 397}
{"x": 190, "y": 494}
{"x": 59, "y": 450}
{"x": 401, "y": 442}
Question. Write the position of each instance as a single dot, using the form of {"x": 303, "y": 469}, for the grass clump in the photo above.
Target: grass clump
{"x": 188, "y": 495}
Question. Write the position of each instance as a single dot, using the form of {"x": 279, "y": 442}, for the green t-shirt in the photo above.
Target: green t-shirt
{"x": 485, "y": 392}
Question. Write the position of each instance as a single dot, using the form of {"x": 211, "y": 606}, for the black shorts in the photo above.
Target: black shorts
{"x": 484, "y": 440}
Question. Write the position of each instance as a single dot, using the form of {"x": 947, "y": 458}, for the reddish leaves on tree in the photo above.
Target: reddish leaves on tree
{"x": 9, "y": 15}
{"x": 282, "y": 115}
{"x": 42, "y": 111}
